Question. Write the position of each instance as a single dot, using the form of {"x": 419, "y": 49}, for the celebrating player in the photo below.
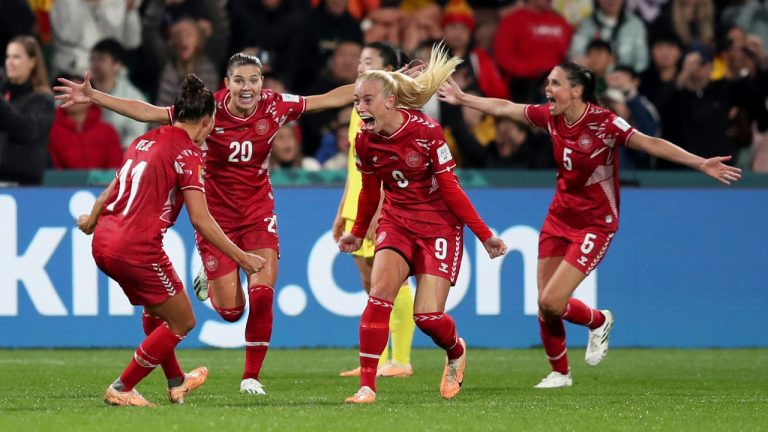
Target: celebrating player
{"x": 376, "y": 56}
{"x": 239, "y": 192}
{"x": 421, "y": 226}
{"x": 162, "y": 170}
{"x": 584, "y": 213}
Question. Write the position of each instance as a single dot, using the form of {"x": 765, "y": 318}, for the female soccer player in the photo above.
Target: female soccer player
{"x": 162, "y": 170}
{"x": 239, "y": 192}
{"x": 421, "y": 227}
{"x": 376, "y": 56}
{"x": 584, "y": 213}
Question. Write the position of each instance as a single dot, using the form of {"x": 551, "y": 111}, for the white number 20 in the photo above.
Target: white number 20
{"x": 241, "y": 152}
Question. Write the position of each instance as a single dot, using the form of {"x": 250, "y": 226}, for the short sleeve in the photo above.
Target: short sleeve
{"x": 440, "y": 155}
{"x": 290, "y": 107}
{"x": 537, "y": 115}
{"x": 190, "y": 170}
{"x": 170, "y": 111}
{"x": 620, "y": 129}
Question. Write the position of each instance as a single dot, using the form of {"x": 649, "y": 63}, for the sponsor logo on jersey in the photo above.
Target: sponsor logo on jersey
{"x": 443, "y": 267}
{"x": 413, "y": 159}
{"x": 262, "y": 126}
{"x": 621, "y": 124}
{"x": 443, "y": 154}
{"x": 218, "y": 130}
{"x": 201, "y": 173}
{"x": 585, "y": 141}
{"x": 382, "y": 235}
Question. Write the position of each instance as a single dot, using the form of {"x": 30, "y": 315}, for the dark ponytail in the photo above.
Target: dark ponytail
{"x": 195, "y": 100}
{"x": 579, "y": 75}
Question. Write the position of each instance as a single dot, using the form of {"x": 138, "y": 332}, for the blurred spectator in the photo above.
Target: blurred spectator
{"x": 479, "y": 69}
{"x": 623, "y": 98}
{"x": 515, "y": 146}
{"x": 574, "y": 11}
{"x": 342, "y": 69}
{"x": 108, "y": 74}
{"x": 693, "y": 21}
{"x": 384, "y": 24}
{"x": 614, "y": 23}
{"x": 599, "y": 59}
{"x": 753, "y": 18}
{"x": 327, "y": 26}
{"x": 16, "y": 19}
{"x": 421, "y": 22}
{"x": 479, "y": 124}
{"x": 530, "y": 41}
{"x": 78, "y": 24}
{"x": 286, "y": 151}
{"x": 646, "y": 10}
{"x": 666, "y": 53}
{"x": 80, "y": 139}
{"x": 274, "y": 83}
{"x": 339, "y": 135}
{"x": 26, "y": 113}
{"x": 431, "y": 108}
{"x": 272, "y": 28}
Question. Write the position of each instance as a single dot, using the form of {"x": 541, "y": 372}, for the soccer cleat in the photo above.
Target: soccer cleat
{"x": 200, "y": 285}
{"x": 129, "y": 398}
{"x": 453, "y": 374}
{"x": 597, "y": 346}
{"x": 192, "y": 381}
{"x": 252, "y": 386}
{"x": 351, "y": 373}
{"x": 395, "y": 370}
{"x": 363, "y": 396}
{"x": 555, "y": 380}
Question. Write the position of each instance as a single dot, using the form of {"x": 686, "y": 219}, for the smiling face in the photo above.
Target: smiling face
{"x": 244, "y": 84}
{"x": 559, "y": 91}
{"x": 375, "y": 108}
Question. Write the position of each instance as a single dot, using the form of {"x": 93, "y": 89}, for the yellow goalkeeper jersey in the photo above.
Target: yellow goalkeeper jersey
{"x": 354, "y": 178}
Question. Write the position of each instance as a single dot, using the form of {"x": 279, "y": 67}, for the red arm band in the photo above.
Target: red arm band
{"x": 367, "y": 204}
{"x": 460, "y": 205}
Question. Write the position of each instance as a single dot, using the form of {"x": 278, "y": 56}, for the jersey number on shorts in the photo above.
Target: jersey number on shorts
{"x": 135, "y": 173}
{"x": 401, "y": 180}
{"x": 588, "y": 244}
{"x": 241, "y": 151}
{"x": 441, "y": 248}
{"x": 271, "y": 224}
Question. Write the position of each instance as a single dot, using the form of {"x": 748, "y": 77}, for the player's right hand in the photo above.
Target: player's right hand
{"x": 349, "y": 243}
{"x": 252, "y": 263}
{"x": 85, "y": 225}
{"x": 73, "y": 93}
{"x": 495, "y": 247}
{"x": 450, "y": 92}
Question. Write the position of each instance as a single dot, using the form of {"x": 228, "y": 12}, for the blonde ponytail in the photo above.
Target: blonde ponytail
{"x": 414, "y": 93}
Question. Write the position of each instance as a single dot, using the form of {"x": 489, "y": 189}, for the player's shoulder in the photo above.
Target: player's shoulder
{"x": 269, "y": 96}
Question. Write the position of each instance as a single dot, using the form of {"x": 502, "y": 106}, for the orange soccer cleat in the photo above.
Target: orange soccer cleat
{"x": 363, "y": 396}
{"x": 395, "y": 370}
{"x": 129, "y": 398}
{"x": 192, "y": 381}
{"x": 351, "y": 373}
{"x": 453, "y": 374}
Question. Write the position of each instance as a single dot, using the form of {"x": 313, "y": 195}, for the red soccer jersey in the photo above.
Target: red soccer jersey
{"x": 237, "y": 159}
{"x": 147, "y": 197}
{"x": 406, "y": 162}
{"x": 587, "y": 165}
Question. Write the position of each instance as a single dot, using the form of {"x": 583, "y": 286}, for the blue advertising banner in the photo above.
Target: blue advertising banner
{"x": 687, "y": 269}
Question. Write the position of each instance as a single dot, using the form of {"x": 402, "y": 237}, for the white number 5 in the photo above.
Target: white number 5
{"x": 567, "y": 162}
{"x": 588, "y": 244}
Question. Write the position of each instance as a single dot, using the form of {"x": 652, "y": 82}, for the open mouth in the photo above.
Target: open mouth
{"x": 552, "y": 102}
{"x": 245, "y": 98}
{"x": 368, "y": 121}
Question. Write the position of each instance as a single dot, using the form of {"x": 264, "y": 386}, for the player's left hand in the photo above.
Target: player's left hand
{"x": 85, "y": 224}
{"x": 715, "y": 168}
{"x": 349, "y": 243}
{"x": 495, "y": 247}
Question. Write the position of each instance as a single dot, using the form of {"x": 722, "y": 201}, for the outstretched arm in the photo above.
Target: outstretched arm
{"x": 451, "y": 93}
{"x": 663, "y": 149}
{"x": 72, "y": 93}
{"x": 336, "y": 98}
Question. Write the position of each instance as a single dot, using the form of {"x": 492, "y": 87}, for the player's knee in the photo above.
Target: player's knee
{"x": 231, "y": 314}
{"x": 551, "y": 307}
{"x": 183, "y": 325}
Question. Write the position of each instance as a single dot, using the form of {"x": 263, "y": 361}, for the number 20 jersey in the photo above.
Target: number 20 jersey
{"x": 587, "y": 165}
{"x": 237, "y": 183}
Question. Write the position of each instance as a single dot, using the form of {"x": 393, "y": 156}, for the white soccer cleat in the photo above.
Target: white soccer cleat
{"x": 200, "y": 285}
{"x": 363, "y": 396}
{"x": 252, "y": 386}
{"x": 597, "y": 346}
{"x": 555, "y": 380}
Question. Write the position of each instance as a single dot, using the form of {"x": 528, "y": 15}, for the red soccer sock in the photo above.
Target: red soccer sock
{"x": 577, "y": 312}
{"x": 258, "y": 329}
{"x": 152, "y": 352}
{"x": 553, "y": 338}
{"x": 171, "y": 367}
{"x": 374, "y": 333}
{"x": 442, "y": 329}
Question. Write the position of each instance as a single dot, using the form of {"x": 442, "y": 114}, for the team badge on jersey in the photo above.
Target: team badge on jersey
{"x": 413, "y": 159}
{"x": 443, "y": 154}
{"x": 585, "y": 142}
{"x": 262, "y": 126}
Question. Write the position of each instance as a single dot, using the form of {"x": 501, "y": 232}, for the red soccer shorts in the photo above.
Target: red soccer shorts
{"x": 438, "y": 254}
{"x": 258, "y": 235}
{"x": 144, "y": 284}
{"x": 583, "y": 249}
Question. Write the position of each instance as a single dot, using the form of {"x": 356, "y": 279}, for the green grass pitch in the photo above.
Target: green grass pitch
{"x": 633, "y": 389}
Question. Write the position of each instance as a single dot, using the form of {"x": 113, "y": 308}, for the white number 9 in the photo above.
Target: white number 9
{"x": 401, "y": 180}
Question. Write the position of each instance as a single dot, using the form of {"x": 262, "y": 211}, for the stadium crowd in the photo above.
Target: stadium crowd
{"x": 694, "y": 72}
